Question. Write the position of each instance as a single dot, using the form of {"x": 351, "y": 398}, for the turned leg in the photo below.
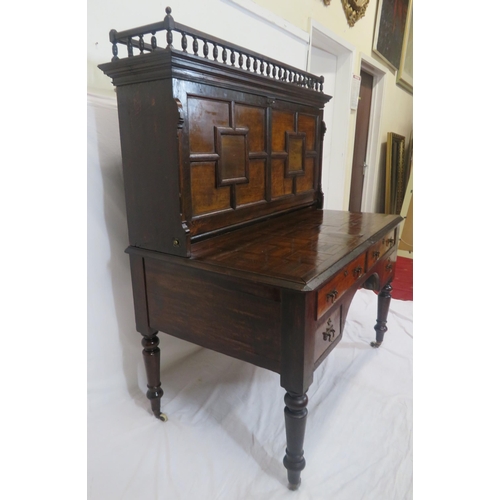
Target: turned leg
{"x": 384, "y": 300}
{"x": 151, "y": 355}
{"x": 295, "y": 425}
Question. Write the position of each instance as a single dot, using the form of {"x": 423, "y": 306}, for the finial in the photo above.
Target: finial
{"x": 169, "y": 20}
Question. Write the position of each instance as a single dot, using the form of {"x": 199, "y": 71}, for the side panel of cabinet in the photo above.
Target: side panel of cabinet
{"x": 233, "y": 317}
{"x": 148, "y": 118}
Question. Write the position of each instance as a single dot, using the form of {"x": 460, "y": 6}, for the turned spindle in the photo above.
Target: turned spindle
{"x": 295, "y": 425}
{"x": 383, "y": 303}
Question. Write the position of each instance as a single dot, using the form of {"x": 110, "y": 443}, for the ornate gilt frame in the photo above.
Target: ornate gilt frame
{"x": 394, "y": 173}
{"x": 354, "y": 9}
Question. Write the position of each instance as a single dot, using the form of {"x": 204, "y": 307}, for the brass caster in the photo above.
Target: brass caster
{"x": 162, "y": 417}
{"x": 375, "y": 344}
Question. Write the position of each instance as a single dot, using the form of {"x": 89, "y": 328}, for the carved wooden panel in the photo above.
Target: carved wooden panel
{"x": 242, "y": 155}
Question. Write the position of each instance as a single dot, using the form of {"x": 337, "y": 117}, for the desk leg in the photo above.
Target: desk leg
{"x": 295, "y": 425}
{"x": 384, "y": 301}
{"x": 151, "y": 355}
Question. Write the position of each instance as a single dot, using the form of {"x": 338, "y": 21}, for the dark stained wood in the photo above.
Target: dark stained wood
{"x": 140, "y": 295}
{"x": 235, "y": 318}
{"x": 229, "y": 246}
{"x": 384, "y": 300}
{"x": 295, "y": 424}
{"x": 151, "y": 355}
{"x": 148, "y": 119}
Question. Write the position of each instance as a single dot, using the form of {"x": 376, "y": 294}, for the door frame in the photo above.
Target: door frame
{"x": 334, "y": 175}
{"x": 371, "y": 179}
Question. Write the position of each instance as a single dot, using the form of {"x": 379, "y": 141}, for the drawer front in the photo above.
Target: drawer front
{"x": 328, "y": 333}
{"x": 379, "y": 249}
{"x": 386, "y": 268}
{"x": 330, "y": 293}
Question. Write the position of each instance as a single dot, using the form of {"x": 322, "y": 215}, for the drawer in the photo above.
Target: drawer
{"x": 379, "y": 249}
{"x": 386, "y": 268}
{"x": 328, "y": 333}
{"x": 331, "y": 292}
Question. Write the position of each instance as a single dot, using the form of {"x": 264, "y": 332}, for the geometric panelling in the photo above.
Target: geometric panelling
{"x": 205, "y": 196}
{"x": 307, "y": 125}
{"x": 281, "y": 185}
{"x": 204, "y": 114}
{"x": 237, "y": 160}
{"x": 305, "y": 183}
{"x": 255, "y": 190}
{"x": 253, "y": 118}
{"x": 295, "y": 146}
{"x": 283, "y": 121}
{"x": 232, "y": 148}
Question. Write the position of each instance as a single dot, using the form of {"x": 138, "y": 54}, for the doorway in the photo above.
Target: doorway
{"x": 359, "y": 160}
{"x": 333, "y": 57}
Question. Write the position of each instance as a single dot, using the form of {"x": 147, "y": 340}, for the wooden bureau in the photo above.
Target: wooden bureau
{"x": 229, "y": 245}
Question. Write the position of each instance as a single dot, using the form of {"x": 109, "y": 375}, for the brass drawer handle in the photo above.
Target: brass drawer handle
{"x": 376, "y": 255}
{"x": 389, "y": 266}
{"x": 332, "y": 295}
{"x": 389, "y": 241}
{"x": 357, "y": 272}
{"x": 329, "y": 334}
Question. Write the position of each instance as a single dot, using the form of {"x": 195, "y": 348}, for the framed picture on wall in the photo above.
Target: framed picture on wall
{"x": 405, "y": 72}
{"x": 394, "y": 173}
{"x": 390, "y": 30}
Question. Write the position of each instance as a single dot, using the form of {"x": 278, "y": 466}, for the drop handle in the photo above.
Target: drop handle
{"x": 376, "y": 255}
{"x": 357, "y": 271}
{"x": 389, "y": 266}
{"x": 389, "y": 241}
{"x": 329, "y": 333}
{"x": 332, "y": 295}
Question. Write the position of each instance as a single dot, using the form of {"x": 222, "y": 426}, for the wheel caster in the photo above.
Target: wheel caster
{"x": 375, "y": 344}
{"x": 162, "y": 417}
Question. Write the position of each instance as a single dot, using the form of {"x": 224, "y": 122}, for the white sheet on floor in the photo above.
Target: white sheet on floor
{"x": 225, "y": 437}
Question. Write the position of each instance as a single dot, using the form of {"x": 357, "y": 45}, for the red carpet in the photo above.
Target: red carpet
{"x": 402, "y": 285}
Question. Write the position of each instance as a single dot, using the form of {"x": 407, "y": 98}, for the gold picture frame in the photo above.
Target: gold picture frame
{"x": 395, "y": 173}
{"x": 404, "y": 77}
{"x": 354, "y": 10}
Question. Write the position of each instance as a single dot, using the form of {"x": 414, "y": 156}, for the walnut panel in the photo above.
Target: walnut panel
{"x": 232, "y": 148}
{"x": 205, "y": 196}
{"x": 283, "y": 121}
{"x": 306, "y": 182}
{"x": 239, "y": 162}
{"x": 204, "y": 114}
{"x": 280, "y": 185}
{"x": 296, "y": 149}
{"x": 255, "y": 190}
{"x": 307, "y": 125}
{"x": 252, "y": 118}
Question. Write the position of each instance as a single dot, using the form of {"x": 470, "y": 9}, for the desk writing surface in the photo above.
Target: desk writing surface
{"x": 297, "y": 247}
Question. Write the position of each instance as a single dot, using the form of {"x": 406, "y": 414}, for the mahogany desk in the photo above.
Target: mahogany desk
{"x": 229, "y": 246}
